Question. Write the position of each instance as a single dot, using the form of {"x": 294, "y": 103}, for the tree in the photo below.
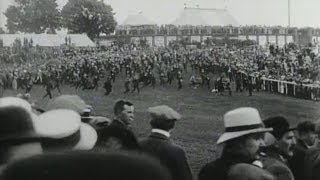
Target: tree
{"x": 92, "y": 17}
{"x": 33, "y": 16}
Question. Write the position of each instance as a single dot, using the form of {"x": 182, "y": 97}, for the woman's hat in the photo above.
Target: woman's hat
{"x": 240, "y": 122}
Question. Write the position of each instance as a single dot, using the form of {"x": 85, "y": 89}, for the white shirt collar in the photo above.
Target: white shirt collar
{"x": 160, "y": 131}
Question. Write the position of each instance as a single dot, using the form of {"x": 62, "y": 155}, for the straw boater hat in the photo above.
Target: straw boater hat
{"x": 63, "y": 129}
{"x": 240, "y": 122}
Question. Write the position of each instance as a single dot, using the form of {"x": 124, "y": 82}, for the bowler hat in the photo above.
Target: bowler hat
{"x": 87, "y": 165}
{"x": 279, "y": 124}
{"x": 242, "y": 121}
{"x": 164, "y": 112}
{"x": 17, "y": 125}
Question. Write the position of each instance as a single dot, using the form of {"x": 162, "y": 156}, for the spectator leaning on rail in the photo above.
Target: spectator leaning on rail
{"x": 163, "y": 119}
{"x": 307, "y": 137}
{"x": 242, "y": 138}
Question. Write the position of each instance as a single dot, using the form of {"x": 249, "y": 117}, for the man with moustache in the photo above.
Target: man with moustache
{"x": 275, "y": 158}
{"x": 307, "y": 138}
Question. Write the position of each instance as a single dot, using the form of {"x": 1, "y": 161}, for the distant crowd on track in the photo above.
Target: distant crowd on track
{"x": 215, "y": 68}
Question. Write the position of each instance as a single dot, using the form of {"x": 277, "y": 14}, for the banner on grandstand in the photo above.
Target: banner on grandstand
{"x": 281, "y": 41}
{"x": 290, "y": 39}
{"x": 242, "y": 38}
{"x": 171, "y": 38}
{"x": 149, "y": 40}
{"x": 315, "y": 39}
{"x": 195, "y": 38}
{"x": 272, "y": 40}
{"x": 262, "y": 40}
{"x": 135, "y": 40}
{"x": 253, "y": 38}
{"x": 206, "y": 37}
{"x": 159, "y": 41}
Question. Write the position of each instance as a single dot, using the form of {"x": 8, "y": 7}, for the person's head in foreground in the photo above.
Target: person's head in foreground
{"x": 87, "y": 166}
{"x": 18, "y": 137}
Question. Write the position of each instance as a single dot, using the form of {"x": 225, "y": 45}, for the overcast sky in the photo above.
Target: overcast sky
{"x": 259, "y": 12}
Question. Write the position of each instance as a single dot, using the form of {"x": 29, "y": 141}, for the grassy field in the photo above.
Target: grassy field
{"x": 202, "y": 112}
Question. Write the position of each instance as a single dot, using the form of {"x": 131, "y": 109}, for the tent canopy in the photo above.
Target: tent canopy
{"x": 137, "y": 20}
{"x": 48, "y": 40}
{"x": 205, "y": 17}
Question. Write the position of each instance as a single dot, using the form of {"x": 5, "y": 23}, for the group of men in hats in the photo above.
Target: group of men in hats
{"x": 49, "y": 143}
{"x": 62, "y": 143}
{"x": 269, "y": 149}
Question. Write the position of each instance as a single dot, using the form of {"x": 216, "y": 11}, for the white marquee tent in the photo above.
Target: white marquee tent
{"x": 49, "y": 40}
{"x": 205, "y": 17}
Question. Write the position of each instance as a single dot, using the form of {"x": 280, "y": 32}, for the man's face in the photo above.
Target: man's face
{"x": 253, "y": 143}
{"x": 127, "y": 115}
{"x": 287, "y": 142}
{"x": 310, "y": 138}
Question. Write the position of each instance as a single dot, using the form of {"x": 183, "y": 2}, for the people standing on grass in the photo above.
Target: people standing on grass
{"x": 242, "y": 139}
{"x": 159, "y": 145}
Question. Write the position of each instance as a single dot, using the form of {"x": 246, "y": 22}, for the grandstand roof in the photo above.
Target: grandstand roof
{"x": 137, "y": 20}
{"x": 205, "y": 17}
{"x": 48, "y": 40}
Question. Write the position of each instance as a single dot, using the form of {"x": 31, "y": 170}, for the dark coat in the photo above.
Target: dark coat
{"x": 117, "y": 136}
{"x": 296, "y": 163}
{"x": 219, "y": 168}
{"x": 276, "y": 163}
{"x": 312, "y": 164}
{"x": 170, "y": 155}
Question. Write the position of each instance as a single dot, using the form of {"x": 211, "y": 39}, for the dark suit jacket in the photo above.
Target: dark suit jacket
{"x": 170, "y": 155}
{"x": 276, "y": 163}
{"x": 219, "y": 169}
{"x": 296, "y": 163}
{"x": 117, "y": 136}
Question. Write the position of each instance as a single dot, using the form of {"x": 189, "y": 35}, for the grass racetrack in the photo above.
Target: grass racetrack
{"x": 202, "y": 112}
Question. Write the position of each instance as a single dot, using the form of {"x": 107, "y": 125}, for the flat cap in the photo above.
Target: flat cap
{"x": 164, "y": 112}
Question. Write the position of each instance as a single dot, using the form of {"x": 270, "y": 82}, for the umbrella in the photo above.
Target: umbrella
{"x": 71, "y": 102}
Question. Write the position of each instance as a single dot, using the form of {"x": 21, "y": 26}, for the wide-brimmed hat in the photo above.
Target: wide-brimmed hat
{"x": 63, "y": 129}
{"x": 240, "y": 122}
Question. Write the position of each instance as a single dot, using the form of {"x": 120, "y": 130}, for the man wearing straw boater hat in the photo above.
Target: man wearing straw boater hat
{"x": 242, "y": 138}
